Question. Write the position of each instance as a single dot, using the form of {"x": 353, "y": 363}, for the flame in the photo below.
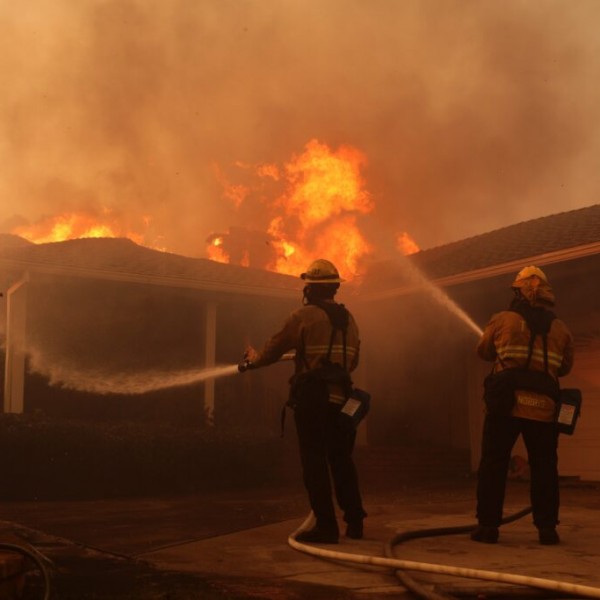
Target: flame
{"x": 216, "y": 251}
{"x": 324, "y": 184}
{"x": 406, "y": 244}
{"x": 325, "y": 195}
{"x": 77, "y": 225}
{"x": 314, "y": 215}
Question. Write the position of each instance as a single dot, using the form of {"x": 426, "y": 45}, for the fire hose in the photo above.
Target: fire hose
{"x": 407, "y": 580}
{"x": 38, "y": 559}
{"x": 401, "y": 565}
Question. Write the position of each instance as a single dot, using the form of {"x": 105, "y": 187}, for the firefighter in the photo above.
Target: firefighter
{"x": 529, "y": 343}
{"x": 325, "y": 337}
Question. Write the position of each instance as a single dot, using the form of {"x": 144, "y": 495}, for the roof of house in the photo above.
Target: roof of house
{"x": 554, "y": 238}
{"x": 523, "y": 240}
{"x": 122, "y": 260}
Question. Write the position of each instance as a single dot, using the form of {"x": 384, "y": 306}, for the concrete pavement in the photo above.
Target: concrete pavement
{"x": 265, "y": 554}
{"x": 243, "y": 536}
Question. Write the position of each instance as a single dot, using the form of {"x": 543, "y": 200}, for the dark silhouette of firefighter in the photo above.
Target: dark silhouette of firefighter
{"x": 326, "y": 339}
{"x": 531, "y": 348}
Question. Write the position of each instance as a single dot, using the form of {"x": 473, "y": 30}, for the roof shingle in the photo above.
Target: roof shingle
{"x": 520, "y": 241}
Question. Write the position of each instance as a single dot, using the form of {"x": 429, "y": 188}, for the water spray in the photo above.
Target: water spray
{"x": 442, "y": 298}
{"x": 439, "y": 295}
{"x": 101, "y": 382}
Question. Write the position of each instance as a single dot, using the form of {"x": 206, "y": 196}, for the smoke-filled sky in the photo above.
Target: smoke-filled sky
{"x": 472, "y": 115}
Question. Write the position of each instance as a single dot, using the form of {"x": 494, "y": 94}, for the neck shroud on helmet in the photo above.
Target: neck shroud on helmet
{"x": 532, "y": 286}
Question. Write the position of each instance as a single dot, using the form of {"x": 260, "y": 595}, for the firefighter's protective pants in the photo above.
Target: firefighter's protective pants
{"x": 541, "y": 440}
{"x": 326, "y": 441}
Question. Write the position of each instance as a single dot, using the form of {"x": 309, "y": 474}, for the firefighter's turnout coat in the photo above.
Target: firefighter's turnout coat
{"x": 308, "y": 332}
{"x": 505, "y": 340}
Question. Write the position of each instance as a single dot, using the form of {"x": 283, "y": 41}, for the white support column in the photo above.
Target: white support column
{"x": 210, "y": 351}
{"x": 14, "y": 366}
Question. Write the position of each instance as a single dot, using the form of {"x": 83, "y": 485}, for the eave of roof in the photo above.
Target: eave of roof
{"x": 542, "y": 241}
{"x": 492, "y": 271}
{"x": 123, "y": 261}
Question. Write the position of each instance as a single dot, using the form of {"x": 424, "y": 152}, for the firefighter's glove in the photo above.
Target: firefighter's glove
{"x": 245, "y": 365}
{"x": 250, "y": 355}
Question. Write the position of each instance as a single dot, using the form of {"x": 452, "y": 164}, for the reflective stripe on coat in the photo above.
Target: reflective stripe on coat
{"x": 308, "y": 331}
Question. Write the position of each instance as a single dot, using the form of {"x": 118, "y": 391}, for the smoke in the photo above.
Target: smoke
{"x": 472, "y": 115}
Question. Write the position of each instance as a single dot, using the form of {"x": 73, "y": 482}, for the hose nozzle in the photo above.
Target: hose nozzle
{"x": 245, "y": 365}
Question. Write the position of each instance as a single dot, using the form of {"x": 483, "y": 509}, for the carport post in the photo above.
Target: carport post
{"x": 210, "y": 345}
{"x": 14, "y": 364}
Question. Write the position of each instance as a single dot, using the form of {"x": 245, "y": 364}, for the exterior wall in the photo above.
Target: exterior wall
{"x": 477, "y": 370}
{"x": 579, "y": 454}
{"x": 414, "y": 351}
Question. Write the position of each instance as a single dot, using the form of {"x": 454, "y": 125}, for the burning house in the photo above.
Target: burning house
{"x": 106, "y": 326}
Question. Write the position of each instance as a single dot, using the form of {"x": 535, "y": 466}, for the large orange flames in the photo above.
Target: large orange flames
{"x": 318, "y": 211}
{"x": 317, "y": 214}
{"x": 83, "y": 224}
{"x": 311, "y": 207}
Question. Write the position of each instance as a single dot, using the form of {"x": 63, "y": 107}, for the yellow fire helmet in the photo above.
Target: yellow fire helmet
{"x": 532, "y": 284}
{"x": 526, "y": 273}
{"x": 322, "y": 271}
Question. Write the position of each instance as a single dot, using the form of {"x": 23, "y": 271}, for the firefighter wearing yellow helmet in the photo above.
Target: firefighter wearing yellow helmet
{"x": 532, "y": 285}
{"x": 528, "y": 272}
{"x": 326, "y": 341}
{"x": 530, "y": 348}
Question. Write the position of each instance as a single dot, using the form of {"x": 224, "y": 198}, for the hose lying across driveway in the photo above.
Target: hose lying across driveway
{"x": 407, "y": 580}
{"x": 402, "y": 565}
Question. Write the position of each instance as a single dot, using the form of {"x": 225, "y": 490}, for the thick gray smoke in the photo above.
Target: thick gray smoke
{"x": 473, "y": 115}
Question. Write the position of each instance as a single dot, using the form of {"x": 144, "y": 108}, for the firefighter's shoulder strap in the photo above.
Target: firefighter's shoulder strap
{"x": 539, "y": 320}
{"x": 339, "y": 318}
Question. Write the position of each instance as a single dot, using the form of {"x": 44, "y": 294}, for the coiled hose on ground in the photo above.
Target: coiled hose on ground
{"x": 401, "y": 565}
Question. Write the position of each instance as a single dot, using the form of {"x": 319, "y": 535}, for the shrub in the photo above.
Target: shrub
{"x": 44, "y": 458}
